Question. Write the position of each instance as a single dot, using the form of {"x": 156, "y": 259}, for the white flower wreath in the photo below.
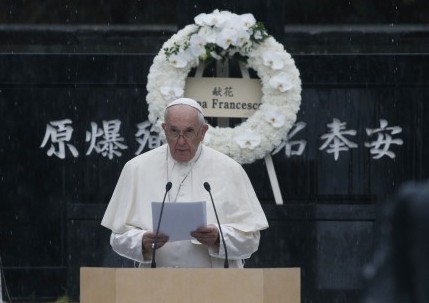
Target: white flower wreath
{"x": 224, "y": 35}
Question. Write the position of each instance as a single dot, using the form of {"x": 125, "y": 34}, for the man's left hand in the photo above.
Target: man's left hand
{"x": 208, "y": 235}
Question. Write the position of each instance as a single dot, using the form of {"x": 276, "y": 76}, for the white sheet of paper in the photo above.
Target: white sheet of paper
{"x": 179, "y": 218}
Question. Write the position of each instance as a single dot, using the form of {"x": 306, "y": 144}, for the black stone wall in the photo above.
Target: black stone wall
{"x": 51, "y": 209}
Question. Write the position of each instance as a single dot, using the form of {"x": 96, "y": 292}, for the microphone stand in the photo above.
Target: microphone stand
{"x": 167, "y": 188}
{"x": 207, "y": 187}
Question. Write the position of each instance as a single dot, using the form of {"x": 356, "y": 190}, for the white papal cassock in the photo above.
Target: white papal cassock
{"x": 143, "y": 181}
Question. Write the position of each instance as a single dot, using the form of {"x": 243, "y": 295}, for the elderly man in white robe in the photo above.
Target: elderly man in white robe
{"x": 187, "y": 164}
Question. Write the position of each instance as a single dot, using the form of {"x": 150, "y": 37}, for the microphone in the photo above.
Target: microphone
{"x": 167, "y": 189}
{"x": 207, "y": 187}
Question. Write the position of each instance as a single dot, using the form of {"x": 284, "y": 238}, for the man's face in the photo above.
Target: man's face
{"x": 183, "y": 131}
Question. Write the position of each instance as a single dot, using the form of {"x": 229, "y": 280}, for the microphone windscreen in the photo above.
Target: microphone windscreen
{"x": 207, "y": 186}
{"x": 168, "y": 186}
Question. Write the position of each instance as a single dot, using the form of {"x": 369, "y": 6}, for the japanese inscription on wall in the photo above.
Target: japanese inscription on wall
{"x": 106, "y": 139}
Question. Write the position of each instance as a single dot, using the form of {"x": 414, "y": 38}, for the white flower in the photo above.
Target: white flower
{"x": 257, "y": 35}
{"x": 233, "y": 22}
{"x": 241, "y": 38}
{"x": 226, "y": 30}
{"x": 207, "y": 139}
{"x": 221, "y": 19}
{"x": 171, "y": 91}
{"x": 216, "y": 19}
{"x": 275, "y": 118}
{"x": 201, "y": 19}
{"x": 281, "y": 82}
{"x": 208, "y": 33}
{"x": 157, "y": 127}
{"x": 247, "y": 20}
{"x": 205, "y": 19}
{"x": 197, "y": 45}
{"x": 248, "y": 140}
{"x": 273, "y": 59}
{"x": 180, "y": 60}
{"x": 226, "y": 37}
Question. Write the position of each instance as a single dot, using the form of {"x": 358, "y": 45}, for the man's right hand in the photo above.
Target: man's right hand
{"x": 149, "y": 238}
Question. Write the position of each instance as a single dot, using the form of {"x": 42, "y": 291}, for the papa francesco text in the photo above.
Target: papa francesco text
{"x": 216, "y": 104}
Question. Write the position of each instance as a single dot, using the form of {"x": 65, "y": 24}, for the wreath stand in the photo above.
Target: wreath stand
{"x": 222, "y": 70}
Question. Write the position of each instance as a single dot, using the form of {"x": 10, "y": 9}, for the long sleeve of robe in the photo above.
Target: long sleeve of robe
{"x": 143, "y": 180}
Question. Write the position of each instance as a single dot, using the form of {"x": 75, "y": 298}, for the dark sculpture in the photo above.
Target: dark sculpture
{"x": 399, "y": 272}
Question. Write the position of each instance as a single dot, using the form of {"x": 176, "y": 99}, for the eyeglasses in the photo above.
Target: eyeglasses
{"x": 174, "y": 133}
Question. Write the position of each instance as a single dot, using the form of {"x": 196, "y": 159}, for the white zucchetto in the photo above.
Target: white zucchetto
{"x": 186, "y": 101}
